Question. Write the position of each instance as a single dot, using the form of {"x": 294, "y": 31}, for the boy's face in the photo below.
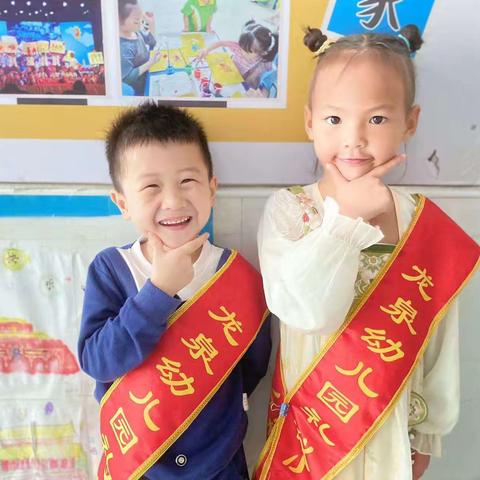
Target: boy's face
{"x": 357, "y": 118}
{"x": 134, "y": 20}
{"x": 166, "y": 190}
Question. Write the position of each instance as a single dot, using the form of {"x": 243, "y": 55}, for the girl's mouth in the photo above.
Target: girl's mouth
{"x": 353, "y": 161}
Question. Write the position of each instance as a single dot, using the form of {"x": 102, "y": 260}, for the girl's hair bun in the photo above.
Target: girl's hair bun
{"x": 412, "y": 34}
{"x": 314, "y": 39}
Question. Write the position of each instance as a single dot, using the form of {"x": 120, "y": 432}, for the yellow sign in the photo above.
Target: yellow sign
{"x": 95, "y": 58}
{"x": 57, "y": 46}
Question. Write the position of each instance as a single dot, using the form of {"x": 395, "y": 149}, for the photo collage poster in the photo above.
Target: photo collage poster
{"x": 119, "y": 52}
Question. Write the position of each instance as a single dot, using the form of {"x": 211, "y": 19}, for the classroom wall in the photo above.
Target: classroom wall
{"x": 236, "y": 216}
{"x": 55, "y": 144}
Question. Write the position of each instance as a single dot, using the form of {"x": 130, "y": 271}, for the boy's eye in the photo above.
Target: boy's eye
{"x": 187, "y": 180}
{"x": 378, "y": 120}
{"x": 152, "y": 185}
{"x": 333, "y": 120}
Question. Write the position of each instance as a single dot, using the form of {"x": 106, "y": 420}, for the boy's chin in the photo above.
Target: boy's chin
{"x": 172, "y": 242}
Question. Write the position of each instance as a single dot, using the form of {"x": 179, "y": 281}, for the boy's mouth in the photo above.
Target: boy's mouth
{"x": 175, "y": 222}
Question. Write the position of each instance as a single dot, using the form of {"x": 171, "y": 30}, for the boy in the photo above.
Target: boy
{"x": 178, "y": 345}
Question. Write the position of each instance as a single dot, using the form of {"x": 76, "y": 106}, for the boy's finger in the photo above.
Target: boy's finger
{"x": 335, "y": 174}
{"x": 156, "y": 242}
{"x": 381, "y": 170}
{"x": 193, "y": 245}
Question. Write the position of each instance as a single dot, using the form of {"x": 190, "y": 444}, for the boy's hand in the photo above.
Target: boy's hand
{"x": 150, "y": 19}
{"x": 420, "y": 463}
{"x": 172, "y": 268}
{"x": 366, "y": 196}
{"x": 157, "y": 54}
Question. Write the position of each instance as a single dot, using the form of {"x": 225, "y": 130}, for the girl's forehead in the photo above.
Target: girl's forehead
{"x": 358, "y": 76}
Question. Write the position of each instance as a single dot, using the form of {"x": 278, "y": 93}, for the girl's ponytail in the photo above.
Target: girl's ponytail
{"x": 314, "y": 39}
{"x": 410, "y": 34}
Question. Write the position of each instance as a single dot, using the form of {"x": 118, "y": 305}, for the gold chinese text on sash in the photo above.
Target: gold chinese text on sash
{"x": 144, "y": 412}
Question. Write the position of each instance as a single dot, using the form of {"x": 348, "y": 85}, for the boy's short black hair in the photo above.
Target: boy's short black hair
{"x": 148, "y": 123}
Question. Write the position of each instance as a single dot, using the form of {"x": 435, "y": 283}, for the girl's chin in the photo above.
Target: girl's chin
{"x": 350, "y": 174}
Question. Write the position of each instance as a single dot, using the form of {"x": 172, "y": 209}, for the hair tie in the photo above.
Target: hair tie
{"x": 406, "y": 41}
{"x": 272, "y": 43}
{"x": 325, "y": 46}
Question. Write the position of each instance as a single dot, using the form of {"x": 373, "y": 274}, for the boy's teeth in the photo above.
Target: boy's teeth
{"x": 174, "y": 222}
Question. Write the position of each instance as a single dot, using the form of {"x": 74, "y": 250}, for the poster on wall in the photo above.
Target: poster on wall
{"x": 51, "y": 48}
{"x": 48, "y": 415}
{"x": 119, "y": 52}
{"x": 382, "y": 16}
{"x": 200, "y": 49}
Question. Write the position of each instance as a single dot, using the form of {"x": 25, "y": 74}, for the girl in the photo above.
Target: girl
{"x": 253, "y": 54}
{"x": 352, "y": 257}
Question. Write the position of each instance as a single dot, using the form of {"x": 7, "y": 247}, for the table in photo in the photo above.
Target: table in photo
{"x": 179, "y": 72}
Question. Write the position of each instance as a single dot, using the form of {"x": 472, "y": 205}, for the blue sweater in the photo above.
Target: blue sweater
{"x": 121, "y": 327}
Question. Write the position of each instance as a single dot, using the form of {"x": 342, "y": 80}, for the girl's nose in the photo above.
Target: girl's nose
{"x": 354, "y": 138}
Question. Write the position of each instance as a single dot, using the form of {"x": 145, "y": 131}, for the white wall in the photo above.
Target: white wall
{"x": 236, "y": 217}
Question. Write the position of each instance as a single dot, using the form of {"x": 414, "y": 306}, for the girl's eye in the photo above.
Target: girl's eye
{"x": 333, "y": 120}
{"x": 378, "y": 120}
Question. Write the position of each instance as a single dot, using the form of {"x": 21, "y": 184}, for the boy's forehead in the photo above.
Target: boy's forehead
{"x": 158, "y": 157}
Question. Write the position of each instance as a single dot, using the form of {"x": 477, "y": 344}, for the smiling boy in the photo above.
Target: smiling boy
{"x": 173, "y": 327}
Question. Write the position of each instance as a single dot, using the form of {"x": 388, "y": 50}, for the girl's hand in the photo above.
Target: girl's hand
{"x": 420, "y": 463}
{"x": 202, "y": 54}
{"x": 172, "y": 268}
{"x": 366, "y": 196}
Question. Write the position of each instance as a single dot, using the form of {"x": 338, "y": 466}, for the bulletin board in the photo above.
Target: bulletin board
{"x": 223, "y": 124}
{"x": 97, "y": 52}
{"x": 257, "y": 145}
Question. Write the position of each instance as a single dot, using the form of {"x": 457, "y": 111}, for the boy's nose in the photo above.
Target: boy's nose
{"x": 172, "y": 199}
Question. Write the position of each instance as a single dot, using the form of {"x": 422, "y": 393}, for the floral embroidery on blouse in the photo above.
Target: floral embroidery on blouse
{"x": 370, "y": 264}
{"x": 309, "y": 211}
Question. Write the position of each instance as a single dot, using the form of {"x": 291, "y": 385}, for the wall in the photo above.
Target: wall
{"x": 236, "y": 217}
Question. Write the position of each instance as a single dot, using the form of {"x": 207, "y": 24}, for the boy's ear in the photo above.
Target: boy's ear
{"x": 120, "y": 201}
{"x": 213, "y": 185}
{"x": 412, "y": 122}
{"x": 308, "y": 121}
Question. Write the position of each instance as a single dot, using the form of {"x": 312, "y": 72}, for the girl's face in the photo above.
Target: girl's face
{"x": 357, "y": 117}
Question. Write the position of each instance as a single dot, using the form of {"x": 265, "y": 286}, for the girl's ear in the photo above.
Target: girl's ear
{"x": 120, "y": 201}
{"x": 308, "y": 121}
{"x": 412, "y": 122}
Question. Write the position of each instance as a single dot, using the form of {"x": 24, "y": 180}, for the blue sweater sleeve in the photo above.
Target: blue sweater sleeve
{"x": 254, "y": 363}
{"x": 119, "y": 330}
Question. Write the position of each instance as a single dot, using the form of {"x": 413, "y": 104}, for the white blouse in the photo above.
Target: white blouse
{"x": 313, "y": 268}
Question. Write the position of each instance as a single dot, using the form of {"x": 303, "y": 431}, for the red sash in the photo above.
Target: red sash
{"x": 144, "y": 412}
{"x": 352, "y": 385}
